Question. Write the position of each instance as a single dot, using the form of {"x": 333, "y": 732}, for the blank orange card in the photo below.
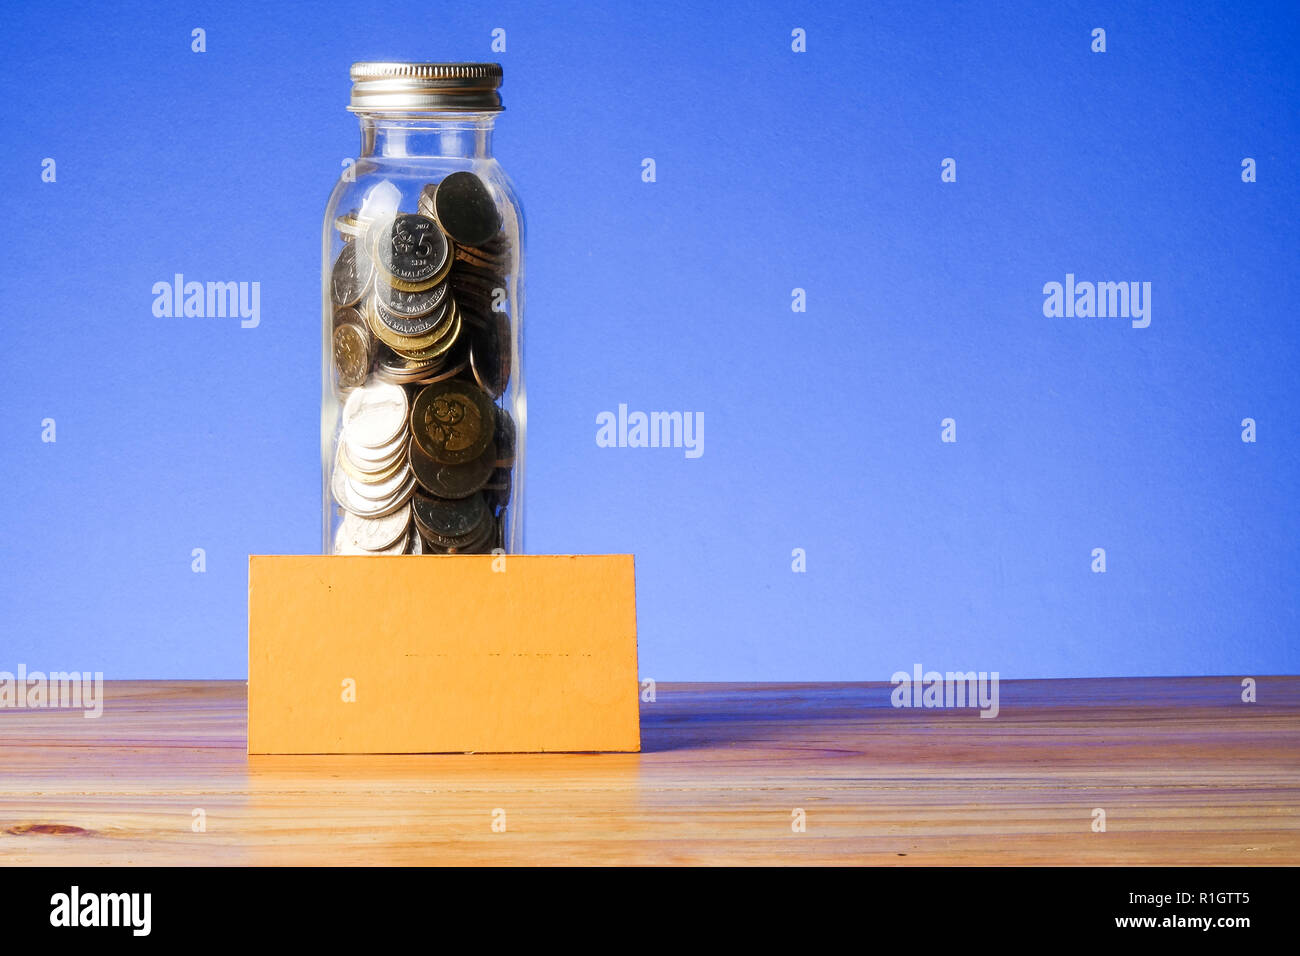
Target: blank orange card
{"x": 436, "y": 654}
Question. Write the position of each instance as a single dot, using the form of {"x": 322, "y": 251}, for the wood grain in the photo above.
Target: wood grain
{"x": 1186, "y": 773}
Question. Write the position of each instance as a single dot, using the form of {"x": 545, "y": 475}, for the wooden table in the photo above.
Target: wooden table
{"x": 1185, "y": 771}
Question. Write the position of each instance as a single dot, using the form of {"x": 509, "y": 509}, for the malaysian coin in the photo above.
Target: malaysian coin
{"x": 375, "y": 414}
{"x": 412, "y": 250}
{"x": 349, "y": 226}
{"x": 479, "y": 543}
{"x": 441, "y": 346}
{"x": 376, "y": 534}
{"x": 505, "y": 439}
{"x": 348, "y": 314}
{"x": 465, "y": 210}
{"x": 497, "y": 489}
{"x": 353, "y": 351}
{"x": 411, "y": 305}
{"x": 344, "y": 492}
{"x": 453, "y": 421}
{"x": 449, "y": 520}
{"x": 452, "y": 481}
{"x": 372, "y": 473}
{"x": 489, "y": 354}
{"x": 453, "y": 367}
{"x": 399, "y": 546}
{"x": 424, "y": 205}
{"x": 381, "y": 488}
{"x": 374, "y": 460}
{"x": 389, "y": 330}
{"x": 474, "y": 258}
{"x": 351, "y": 275}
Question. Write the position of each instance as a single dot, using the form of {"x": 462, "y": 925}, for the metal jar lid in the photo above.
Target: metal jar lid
{"x": 421, "y": 87}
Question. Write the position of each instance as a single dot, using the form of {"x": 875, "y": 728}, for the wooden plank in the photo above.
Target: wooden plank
{"x": 1186, "y": 772}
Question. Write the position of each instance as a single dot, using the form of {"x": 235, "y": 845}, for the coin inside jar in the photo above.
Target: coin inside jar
{"x": 413, "y": 251}
{"x": 449, "y": 520}
{"x": 453, "y": 421}
{"x": 411, "y": 305}
{"x": 375, "y": 414}
{"x": 452, "y": 481}
{"x": 464, "y": 208}
{"x": 489, "y": 354}
{"x": 350, "y": 276}
{"x": 375, "y": 534}
{"x": 505, "y": 439}
{"x": 352, "y": 353}
{"x": 345, "y": 493}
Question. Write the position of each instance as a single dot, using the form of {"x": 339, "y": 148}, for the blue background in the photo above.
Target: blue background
{"x": 776, "y": 170}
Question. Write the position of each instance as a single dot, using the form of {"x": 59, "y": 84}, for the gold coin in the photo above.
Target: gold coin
{"x": 370, "y": 478}
{"x": 411, "y": 343}
{"x": 423, "y": 355}
{"x": 430, "y": 351}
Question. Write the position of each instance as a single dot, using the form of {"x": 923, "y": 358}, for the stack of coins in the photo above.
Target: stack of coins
{"x": 422, "y": 349}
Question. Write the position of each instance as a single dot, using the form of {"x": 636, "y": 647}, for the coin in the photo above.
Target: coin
{"x": 452, "y": 481}
{"x": 348, "y": 314}
{"x": 464, "y": 208}
{"x": 351, "y": 275}
{"x": 375, "y": 414}
{"x": 453, "y": 367}
{"x": 371, "y": 474}
{"x": 400, "y": 546}
{"x": 411, "y": 305}
{"x": 453, "y": 421}
{"x": 440, "y": 346}
{"x": 489, "y": 354}
{"x": 432, "y": 337}
{"x": 412, "y": 250}
{"x": 424, "y": 205}
{"x": 349, "y": 226}
{"x": 449, "y": 519}
{"x": 505, "y": 438}
{"x": 381, "y": 488}
{"x": 345, "y": 493}
{"x": 375, "y": 534}
{"x": 497, "y": 490}
{"x": 479, "y": 542}
{"x": 352, "y": 353}
{"x": 377, "y": 458}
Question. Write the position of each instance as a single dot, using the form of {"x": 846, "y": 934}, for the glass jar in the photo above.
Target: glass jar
{"x": 422, "y": 407}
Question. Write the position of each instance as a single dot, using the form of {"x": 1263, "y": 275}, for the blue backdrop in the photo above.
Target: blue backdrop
{"x": 776, "y": 170}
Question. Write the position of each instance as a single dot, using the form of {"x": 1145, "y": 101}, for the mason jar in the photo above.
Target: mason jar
{"x": 423, "y": 411}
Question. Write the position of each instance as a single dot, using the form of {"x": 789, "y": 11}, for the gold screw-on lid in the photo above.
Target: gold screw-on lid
{"x": 421, "y": 87}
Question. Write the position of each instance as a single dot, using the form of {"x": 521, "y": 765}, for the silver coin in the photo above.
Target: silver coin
{"x": 375, "y": 415}
{"x": 397, "y": 547}
{"x": 374, "y": 459}
{"x": 367, "y": 471}
{"x": 345, "y": 493}
{"x": 382, "y": 490}
{"x": 415, "y": 544}
{"x": 375, "y": 534}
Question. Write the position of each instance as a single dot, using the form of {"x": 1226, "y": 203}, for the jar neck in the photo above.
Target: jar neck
{"x": 459, "y": 135}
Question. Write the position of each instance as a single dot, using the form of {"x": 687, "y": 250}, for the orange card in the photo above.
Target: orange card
{"x": 437, "y": 654}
